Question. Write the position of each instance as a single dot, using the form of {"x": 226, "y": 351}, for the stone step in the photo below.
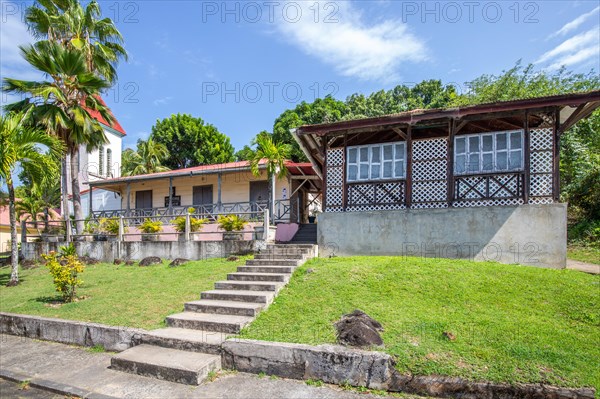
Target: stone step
{"x": 184, "y": 339}
{"x": 239, "y": 296}
{"x": 247, "y": 285}
{"x": 208, "y": 322}
{"x": 166, "y": 364}
{"x": 266, "y": 269}
{"x": 285, "y": 250}
{"x": 281, "y": 278}
{"x": 278, "y": 257}
{"x": 302, "y": 246}
{"x": 267, "y": 262}
{"x": 235, "y": 308}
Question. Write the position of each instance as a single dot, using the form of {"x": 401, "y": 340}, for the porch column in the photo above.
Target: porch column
{"x": 556, "y": 157}
{"x": 90, "y": 202}
{"x": 450, "y": 162}
{"x": 170, "y": 195}
{"x": 344, "y": 177}
{"x": 128, "y": 195}
{"x": 219, "y": 178}
{"x": 409, "y": 162}
{"x": 526, "y": 158}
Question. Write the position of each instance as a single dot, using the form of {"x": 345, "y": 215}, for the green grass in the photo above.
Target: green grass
{"x": 584, "y": 253}
{"x": 129, "y": 296}
{"x": 512, "y": 323}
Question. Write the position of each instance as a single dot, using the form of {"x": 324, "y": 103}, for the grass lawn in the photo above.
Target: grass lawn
{"x": 584, "y": 254}
{"x": 512, "y": 323}
{"x": 129, "y": 296}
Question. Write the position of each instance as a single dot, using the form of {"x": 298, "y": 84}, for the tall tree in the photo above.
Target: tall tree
{"x": 62, "y": 105}
{"x": 20, "y": 144}
{"x": 148, "y": 158}
{"x": 248, "y": 151}
{"x": 273, "y": 156}
{"x": 191, "y": 142}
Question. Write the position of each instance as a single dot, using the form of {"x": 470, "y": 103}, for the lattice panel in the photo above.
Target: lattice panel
{"x": 541, "y": 200}
{"x": 500, "y": 186}
{"x": 366, "y": 208}
{"x": 361, "y": 194}
{"x": 490, "y": 202}
{"x": 541, "y": 139}
{"x": 376, "y": 196}
{"x": 540, "y": 185}
{"x": 540, "y": 164}
{"x": 335, "y": 180}
{"x": 335, "y": 157}
{"x": 429, "y": 173}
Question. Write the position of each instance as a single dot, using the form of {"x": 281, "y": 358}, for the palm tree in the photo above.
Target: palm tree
{"x": 29, "y": 209}
{"x": 273, "y": 156}
{"x": 62, "y": 105}
{"x": 147, "y": 159}
{"x": 19, "y": 144}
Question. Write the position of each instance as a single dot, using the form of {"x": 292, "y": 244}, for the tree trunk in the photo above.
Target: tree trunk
{"x": 64, "y": 189}
{"x": 76, "y": 196}
{"x": 14, "y": 248}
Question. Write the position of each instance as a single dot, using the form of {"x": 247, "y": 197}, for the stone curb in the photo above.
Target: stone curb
{"x": 52, "y": 386}
{"x": 69, "y": 332}
{"x": 339, "y": 365}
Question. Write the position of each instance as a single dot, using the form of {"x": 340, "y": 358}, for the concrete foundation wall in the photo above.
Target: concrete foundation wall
{"x": 533, "y": 235}
{"x": 108, "y": 251}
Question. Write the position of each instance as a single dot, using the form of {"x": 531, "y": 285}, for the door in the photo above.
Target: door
{"x": 143, "y": 204}
{"x": 259, "y": 196}
{"x": 203, "y": 198}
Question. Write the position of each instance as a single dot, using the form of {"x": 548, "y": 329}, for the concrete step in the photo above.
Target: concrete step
{"x": 263, "y": 297}
{"x": 166, "y": 364}
{"x": 266, "y": 269}
{"x": 289, "y": 246}
{"x": 184, "y": 339}
{"x": 278, "y": 257}
{"x": 235, "y": 308}
{"x": 267, "y": 262}
{"x": 247, "y": 285}
{"x": 281, "y": 278}
{"x": 286, "y": 250}
{"x": 208, "y": 322}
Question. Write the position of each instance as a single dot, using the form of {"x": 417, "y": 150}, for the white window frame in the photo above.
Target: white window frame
{"x": 480, "y": 151}
{"x": 396, "y": 157}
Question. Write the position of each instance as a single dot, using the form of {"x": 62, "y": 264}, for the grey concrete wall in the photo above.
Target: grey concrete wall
{"x": 533, "y": 235}
{"x": 108, "y": 251}
{"x": 69, "y": 331}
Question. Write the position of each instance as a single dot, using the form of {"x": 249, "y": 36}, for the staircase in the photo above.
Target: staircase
{"x": 307, "y": 233}
{"x": 189, "y": 348}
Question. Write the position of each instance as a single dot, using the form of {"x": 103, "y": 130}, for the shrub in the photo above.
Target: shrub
{"x": 105, "y": 226}
{"x": 68, "y": 250}
{"x": 232, "y": 223}
{"x": 150, "y": 226}
{"x": 65, "y": 272}
{"x": 195, "y": 224}
{"x": 586, "y": 232}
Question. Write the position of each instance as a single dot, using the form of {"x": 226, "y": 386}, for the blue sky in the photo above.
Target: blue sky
{"x": 238, "y": 65}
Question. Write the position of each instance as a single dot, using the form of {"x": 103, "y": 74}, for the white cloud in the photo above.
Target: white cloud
{"x": 162, "y": 101}
{"x": 353, "y": 47}
{"x": 575, "y": 50}
{"x": 576, "y": 23}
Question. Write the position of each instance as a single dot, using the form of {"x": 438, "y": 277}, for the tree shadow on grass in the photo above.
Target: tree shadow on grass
{"x": 55, "y": 300}
{"x": 5, "y": 276}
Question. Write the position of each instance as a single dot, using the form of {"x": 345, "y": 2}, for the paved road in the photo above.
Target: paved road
{"x": 81, "y": 372}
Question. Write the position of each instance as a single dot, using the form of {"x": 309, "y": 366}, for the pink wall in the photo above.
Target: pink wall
{"x": 209, "y": 232}
{"x": 286, "y": 231}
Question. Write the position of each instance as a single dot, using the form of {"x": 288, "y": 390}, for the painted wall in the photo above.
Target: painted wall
{"x": 533, "y": 235}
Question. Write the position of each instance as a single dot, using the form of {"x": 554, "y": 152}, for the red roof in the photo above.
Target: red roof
{"x": 115, "y": 124}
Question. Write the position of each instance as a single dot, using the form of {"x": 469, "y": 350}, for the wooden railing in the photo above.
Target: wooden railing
{"x": 489, "y": 186}
{"x": 379, "y": 193}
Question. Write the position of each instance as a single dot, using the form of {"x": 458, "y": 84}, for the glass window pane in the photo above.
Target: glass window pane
{"x": 487, "y": 143}
{"x": 352, "y": 172}
{"x": 352, "y": 155}
{"x": 501, "y": 141}
{"x": 387, "y": 170}
{"x": 375, "y": 154}
{"x": 515, "y": 140}
{"x": 399, "y": 154}
{"x": 364, "y": 154}
{"x": 364, "y": 171}
{"x": 399, "y": 169}
{"x": 388, "y": 153}
{"x": 473, "y": 165}
{"x": 488, "y": 162}
{"x": 459, "y": 163}
{"x": 501, "y": 160}
{"x": 460, "y": 145}
{"x": 515, "y": 160}
{"x": 375, "y": 171}
{"x": 474, "y": 144}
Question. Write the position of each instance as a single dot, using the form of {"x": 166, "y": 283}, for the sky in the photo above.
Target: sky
{"x": 239, "y": 64}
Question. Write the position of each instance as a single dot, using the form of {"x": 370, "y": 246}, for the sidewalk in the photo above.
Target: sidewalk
{"x": 77, "y": 371}
{"x": 583, "y": 266}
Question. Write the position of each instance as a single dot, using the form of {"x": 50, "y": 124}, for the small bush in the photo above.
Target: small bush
{"x": 195, "y": 224}
{"x": 232, "y": 223}
{"x": 150, "y": 226}
{"x": 105, "y": 226}
{"x": 65, "y": 271}
{"x": 586, "y": 233}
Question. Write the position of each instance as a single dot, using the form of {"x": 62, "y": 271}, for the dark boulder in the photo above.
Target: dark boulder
{"x": 88, "y": 260}
{"x": 178, "y": 262}
{"x": 150, "y": 260}
{"x": 233, "y": 258}
{"x": 129, "y": 263}
{"x": 118, "y": 261}
{"x": 358, "y": 329}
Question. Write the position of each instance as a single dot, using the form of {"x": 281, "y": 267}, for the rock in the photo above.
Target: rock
{"x": 449, "y": 335}
{"x": 129, "y": 263}
{"x": 358, "y": 329}
{"x": 233, "y": 258}
{"x": 28, "y": 264}
{"x": 88, "y": 260}
{"x": 310, "y": 270}
{"x": 150, "y": 260}
{"x": 118, "y": 261}
{"x": 178, "y": 262}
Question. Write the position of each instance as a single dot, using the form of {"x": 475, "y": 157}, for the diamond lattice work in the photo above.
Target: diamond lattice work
{"x": 541, "y": 185}
{"x": 489, "y": 187}
{"x": 540, "y": 163}
{"x": 541, "y": 139}
{"x": 490, "y": 202}
{"x": 334, "y": 191}
{"x": 429, "y": 173}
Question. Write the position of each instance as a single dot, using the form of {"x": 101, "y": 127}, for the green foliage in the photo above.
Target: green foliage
{"x": 191, "y": 142}
{"x": 231, "y": 223}
{"x": 148, "y": 158}
{"x": 65, "y": 271}
{"x": 151, "y": 226}
{"x": 195, "y": 224}
{"x": 105, "y": 226}
{"x": 68, "y": 250}
{"x": 272, "y": 154}
{"x": 586, "y": 232}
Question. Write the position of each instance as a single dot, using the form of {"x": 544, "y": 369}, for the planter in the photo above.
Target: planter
{"x": 259, "y": 232}
{"x": 233, "y": 235}
{"x": 50, "y": 237}
{"x": 105, "y": 237}
{"x": 312, "y": 219}
{"x": 150, "y": 237}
